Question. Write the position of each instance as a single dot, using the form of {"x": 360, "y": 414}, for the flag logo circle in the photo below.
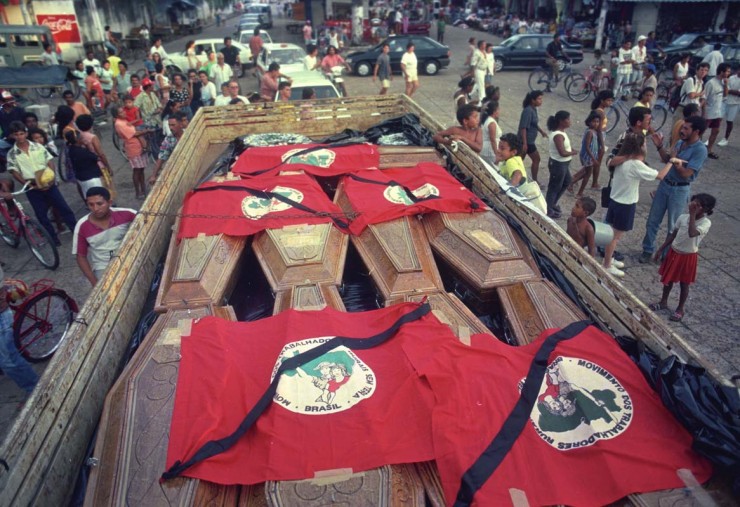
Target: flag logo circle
{"x": 334, "y": 382}
{"x": 579, "y": 403}
{"x": 319, "y": 158}
{"x": 255, "y": 207}
{"x": 397, "y": 195}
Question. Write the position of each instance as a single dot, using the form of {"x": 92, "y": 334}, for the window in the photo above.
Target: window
{"x": 528, "y": 44}
{"x": 27, "y": 40}
{"x": 423, "y": 44}
{"x": 3, "y": 42}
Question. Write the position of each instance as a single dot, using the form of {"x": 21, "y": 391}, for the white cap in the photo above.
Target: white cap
{"x": 641, "y": 38}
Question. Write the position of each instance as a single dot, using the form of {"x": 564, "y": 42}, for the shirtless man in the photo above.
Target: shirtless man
{"x": 579, "y": 228}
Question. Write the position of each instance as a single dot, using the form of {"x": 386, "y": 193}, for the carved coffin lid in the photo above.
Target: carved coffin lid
{"x": 199, "y": 271}
{"x": 536, "y": 305}
{"x": 396, "y": 253}
{"x": 451, "y": 311}
{"x": 132, "y": 439}
{"x": 308, "y": 297}
{"x": 481, "y": 248}
{"x": 301, "y": 254}
{"x": 395, "y": 485}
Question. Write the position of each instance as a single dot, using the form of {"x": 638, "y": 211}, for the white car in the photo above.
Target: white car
{"x": 178, "y": 62}
{"x": 289, "y": 56}
{"x": 244, "y": 37}
{"x": 319, "y": 83}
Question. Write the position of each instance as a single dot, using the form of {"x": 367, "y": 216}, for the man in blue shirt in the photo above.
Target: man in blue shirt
{"x": 674, "y": 191}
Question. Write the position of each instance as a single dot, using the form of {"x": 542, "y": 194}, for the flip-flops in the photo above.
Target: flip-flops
{"x": 676, "y": 317}
{"x": 712, "y": 155}
{"x": 656, "y": 307}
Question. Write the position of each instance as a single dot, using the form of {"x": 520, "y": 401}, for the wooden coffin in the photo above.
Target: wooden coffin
{"x": 301, "y": 254}
{"x": 131, "y": 446}
{"x": 407, "y": 156}
{"x": 482, "y": 249}
{"x": 395, "y": 485}
{"x": 199, "y": 271}
{"x": 451, "y": 311}
{"x": 397, "y": 255}
{"x": 308, "y": 297}
{"x": 531, "y": 307}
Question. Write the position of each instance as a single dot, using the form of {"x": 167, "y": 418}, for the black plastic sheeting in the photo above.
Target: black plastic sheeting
{"x": 711, "y": 412}
{"x": 409, "y": 125}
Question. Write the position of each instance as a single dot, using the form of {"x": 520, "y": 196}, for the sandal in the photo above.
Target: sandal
{"x": 657, "y": 307}
{"x": 712, "y": 155}
{"x": 676, "y": 317}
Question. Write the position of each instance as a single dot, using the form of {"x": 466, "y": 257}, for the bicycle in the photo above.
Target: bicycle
{"x": 659, "y": 115}
{"x": 41, "y": 320}
{"x": 543, "y": 78}
{"x": 13, "y": 226}
{"x": 580, "y": 88}
{"x": 70, "y": 84}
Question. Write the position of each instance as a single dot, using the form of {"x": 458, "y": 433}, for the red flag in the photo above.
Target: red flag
{"x": 244, "y": 207}
{"x": 380, "y": 196}
{"x": 346, "y": 409}
{"x": 317, "y": 159}
{"x": 596, "y": 433}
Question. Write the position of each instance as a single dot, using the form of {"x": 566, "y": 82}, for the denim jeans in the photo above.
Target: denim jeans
{"x": 670, "y": 199}
{"x": 42, "y": 200}
{"x": 620, "y": 80}
{"x": 559, "y": 180}
{"x": 11, "y": 361}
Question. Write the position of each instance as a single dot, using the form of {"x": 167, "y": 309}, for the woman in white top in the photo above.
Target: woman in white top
{"x": 559, "y": 164}
{"x": 208, "y": 91}
{"x": 491, "y": 133}
{"x": 409, "y": 69}
{"x": 311, "y": 61}
{"x": 629, "y": 169}
{"x": 193, "y": 61}
{"x": 681, "y": 69}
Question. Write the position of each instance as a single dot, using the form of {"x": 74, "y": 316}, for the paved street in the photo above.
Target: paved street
{"x": 711, "y": 323}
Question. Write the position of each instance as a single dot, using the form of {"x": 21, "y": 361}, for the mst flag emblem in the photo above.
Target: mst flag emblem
{"x": 335, "y": 381}
{"x": 256, "y": 207}
{"x": 579, "y": 403}
{"x": 319, "y": 158}
{"x": 397, "y": 195}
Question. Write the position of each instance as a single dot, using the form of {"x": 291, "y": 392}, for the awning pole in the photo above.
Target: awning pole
{"x": 601, "y": 25}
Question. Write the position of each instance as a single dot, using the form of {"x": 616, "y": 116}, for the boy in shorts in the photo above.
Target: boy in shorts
{"x": 579, "y": 228}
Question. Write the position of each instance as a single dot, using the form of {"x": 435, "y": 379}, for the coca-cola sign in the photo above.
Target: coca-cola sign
{"x": 64, "y": 27}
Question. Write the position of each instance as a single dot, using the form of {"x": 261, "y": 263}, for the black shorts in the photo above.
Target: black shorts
{"x": 621, "y": 216}
{"x": 531, "y": 148}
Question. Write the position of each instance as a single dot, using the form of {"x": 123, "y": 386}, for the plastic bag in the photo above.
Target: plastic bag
{"x": 408, "y": 125}
{"x": 711, "y": 412}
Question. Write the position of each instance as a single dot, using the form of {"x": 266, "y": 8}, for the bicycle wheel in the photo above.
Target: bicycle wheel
{"x": 660, "y": 115}
{"x": 7, "y": 232}
{"x": 42, "y": 324}
{"x": 578, "y": 89}
{"x": 569, "y": 79}
{"x": 41, "y": 245}
{"x": 539, "y": 80}
{"x": 612, "y": 117}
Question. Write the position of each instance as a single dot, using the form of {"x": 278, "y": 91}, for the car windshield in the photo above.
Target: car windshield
{"x": 684, "y": 40}
{"x": 510, "y": 40}
{"x": 287, "y": 56}
{"x": 322, "y": 92}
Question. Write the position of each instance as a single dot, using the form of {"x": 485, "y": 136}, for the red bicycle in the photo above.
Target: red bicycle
{"x": 41, "y": 319}
{"x": 16, "y": 224}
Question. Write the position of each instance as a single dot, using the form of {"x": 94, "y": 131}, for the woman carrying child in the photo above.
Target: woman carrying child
{"x": 589, "y": 155}
{"x": 680, "y": 263}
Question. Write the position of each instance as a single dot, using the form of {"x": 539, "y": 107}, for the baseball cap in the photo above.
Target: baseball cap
{"x": 650, "y": 67}
{"x": 146, "y": 82}
{"x": 6, "y": 95}
{"x": 641, "y": 37}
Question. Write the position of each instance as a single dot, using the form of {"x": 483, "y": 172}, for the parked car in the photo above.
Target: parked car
{"x": 730, "y": 53}
{"x": 317, "y": 81}
{"x": 432, "y": 55}
{"x": 22, "y": 45}
{"x": 692, "y": 43}
{"x": 248, "y": 27}
{"x": 583, "y": 33}
{"x": 289, "y": 56}
{"x": 264, "y": 10}
{"x": 178, "y": 62}
{"x": 418, "y": 26}
{"x": 528, "y": 50}
{"x": 244, "y": 37}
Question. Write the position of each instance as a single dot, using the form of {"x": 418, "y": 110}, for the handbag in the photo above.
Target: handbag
{"x": 606, "y": 193}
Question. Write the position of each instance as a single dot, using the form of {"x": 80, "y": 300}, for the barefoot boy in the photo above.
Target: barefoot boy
{"x": 579, "y": 228}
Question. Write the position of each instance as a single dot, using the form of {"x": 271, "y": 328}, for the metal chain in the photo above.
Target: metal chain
{"x": 349, "y": 216}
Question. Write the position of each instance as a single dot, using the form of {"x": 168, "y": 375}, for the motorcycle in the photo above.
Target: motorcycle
{"x": 336, "y": 77}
